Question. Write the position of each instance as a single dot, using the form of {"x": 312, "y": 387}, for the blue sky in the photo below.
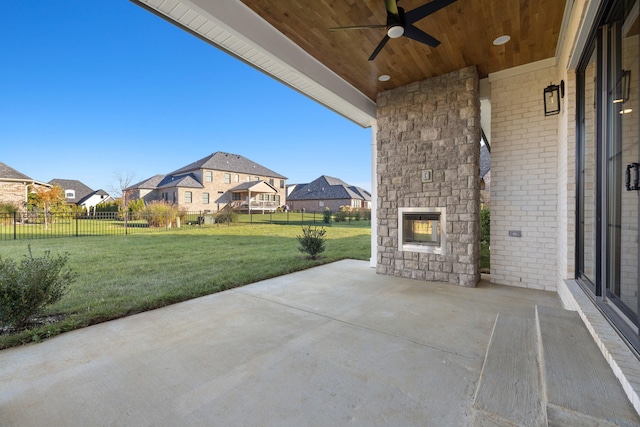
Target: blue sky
{"x": 93, "y": 89}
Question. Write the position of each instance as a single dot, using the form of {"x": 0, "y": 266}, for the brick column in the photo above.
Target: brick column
{"x": 431, "y": 125}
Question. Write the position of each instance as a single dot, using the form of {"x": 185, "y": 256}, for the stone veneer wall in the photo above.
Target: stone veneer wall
{"x": 432, "y": 124}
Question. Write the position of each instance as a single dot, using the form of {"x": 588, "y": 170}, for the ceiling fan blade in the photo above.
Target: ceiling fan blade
{"x": 379, "y": 48}
{"x": 426, "y": 9}
{"x": 358, "y": 27}
{"x": 420, "y": 36}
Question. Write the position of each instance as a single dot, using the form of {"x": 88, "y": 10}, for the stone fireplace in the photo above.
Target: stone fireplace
{"x": 428, "y": 145}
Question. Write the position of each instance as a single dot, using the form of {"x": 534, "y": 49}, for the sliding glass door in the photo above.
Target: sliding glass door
{"x": 608, "y": 166}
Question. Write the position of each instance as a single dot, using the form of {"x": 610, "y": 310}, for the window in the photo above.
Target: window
{"x": 187, "y": 196}
{"x": 70, "y": 194}
{"x": 237, "y": 178}
{"x": 174, "y": 197}
{"x": 282, "y": 183}
{"x": 248, "y": 178}
{"x": 321, "y": 203}
{"x": 208, "y": 176}
{"x": 205, "y": 198}
{"x": 227, "y": 178}
{"x": 271, "y": 181}
{"x": 235, "y": 196}
{"x": 256, "y": 178}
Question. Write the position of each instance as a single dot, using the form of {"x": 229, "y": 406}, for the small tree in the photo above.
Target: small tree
{"x": 326, "y": 215}
{"x": 48, "y": 199}
{"x": 312, "y": 241}
{"x": 27, "y": 288}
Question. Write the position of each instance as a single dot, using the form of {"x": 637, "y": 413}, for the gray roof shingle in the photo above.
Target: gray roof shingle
{"x": 327, "y": 188}
{"x": 228, "y": 162}
{"x": 7, "y": 172}
{"x": 81, "y": 190}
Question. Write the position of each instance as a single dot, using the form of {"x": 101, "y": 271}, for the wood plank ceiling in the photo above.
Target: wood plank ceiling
{"x": 465, "y": 28}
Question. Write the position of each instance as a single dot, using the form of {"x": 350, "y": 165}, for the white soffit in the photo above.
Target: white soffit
{"x": 234, "y": 28}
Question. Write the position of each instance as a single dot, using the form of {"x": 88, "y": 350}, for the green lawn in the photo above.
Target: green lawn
{"x": 122, "y": 275}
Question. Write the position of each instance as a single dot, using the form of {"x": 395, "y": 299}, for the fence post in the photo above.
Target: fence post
{"x": 270, "y": 217}
{"x": 76, "y": 223}
{"x": 166, "y": 223}
{"x": 15, "y": 226}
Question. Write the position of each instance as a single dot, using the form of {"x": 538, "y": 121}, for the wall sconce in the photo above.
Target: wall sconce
{"x": 552, "y": 95}
{"x": 623, "y": 87}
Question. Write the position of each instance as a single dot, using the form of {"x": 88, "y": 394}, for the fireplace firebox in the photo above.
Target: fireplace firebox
{"x": 422, "y": 230}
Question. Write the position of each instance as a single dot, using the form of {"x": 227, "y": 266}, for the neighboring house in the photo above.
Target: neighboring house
{"x": 327, "y": 192}
{"x": 15, "y": 186}
{"x": 215, "y": 181}
{"x": 77, "y": 193}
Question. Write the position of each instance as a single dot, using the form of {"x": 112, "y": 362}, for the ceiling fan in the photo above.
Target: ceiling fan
{"x": 400, "y": 23}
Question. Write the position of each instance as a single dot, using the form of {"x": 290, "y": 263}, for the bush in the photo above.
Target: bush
{"x": 8, "y": 208}
{"x": 312, "y": 241}
{"x": 485, "y": 225}
{"x": 357, "y": 215}
{"x": 225, "y": 216}
{"x": 161, "y": 214}
{"x": 27, "y": 288}
{"x": 341, "y": 215}
{"x": 326, "y": 216}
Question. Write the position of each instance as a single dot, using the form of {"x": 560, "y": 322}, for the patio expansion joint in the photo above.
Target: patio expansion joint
{"x": 346, "y": 322}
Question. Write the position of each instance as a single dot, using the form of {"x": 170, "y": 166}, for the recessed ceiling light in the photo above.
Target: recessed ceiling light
{"x": 384, "y": 78}
{"x": 499, "y": 41}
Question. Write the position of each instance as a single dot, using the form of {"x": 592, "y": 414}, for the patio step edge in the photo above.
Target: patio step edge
{"x": 509, "y": 392}
{"x": 592, "y": 396}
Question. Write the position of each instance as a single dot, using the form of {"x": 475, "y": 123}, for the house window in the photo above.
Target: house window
{"x": 208, "y": 176}
{"x": 271, "y": 181}
{"x": 321, "y": 203}
{"x": 174, "y": 197}
{"x": 256, "y": 178}
{"x": 235, "y": 196}
{"x": 248, "y": 178}
{"x": 278, "y": 199}
{"x": 227, "y": 178}
{"x": 237, "y": 178}
{"x": 205, "y": 198}
{"x": 187, "y": 196}
{"x": 69, "y": 194}
{"x": 282, "y": 183}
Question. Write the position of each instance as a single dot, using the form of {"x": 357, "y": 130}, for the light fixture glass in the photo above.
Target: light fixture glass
{"x": 384, "y": 78}
{"x": 552, "y": 95}
{"x": 395, "y": 31}
{"x": 499, "y": 41}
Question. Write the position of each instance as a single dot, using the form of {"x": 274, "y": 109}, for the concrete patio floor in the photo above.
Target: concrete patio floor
{"x": 333, "y": 345}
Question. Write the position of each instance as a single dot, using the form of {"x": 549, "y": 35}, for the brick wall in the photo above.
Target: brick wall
{"x": 14, "y": 193}
{"x": 433, "y": 124}
{"x": 524, "y": 181}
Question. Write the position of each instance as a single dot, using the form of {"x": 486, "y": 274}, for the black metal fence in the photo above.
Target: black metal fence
{"x": 38, "y": 225}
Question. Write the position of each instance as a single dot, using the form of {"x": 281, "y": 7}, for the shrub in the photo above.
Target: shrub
{"x": 312, "y": 241}
{"x": 326, "y": 216}
{"x": 8, "y": 208}
{"x": 7, "y": 211}
{"x": 226, "y": 215}
{"x": 27, "y": 288}
{"x": 485, "y": 225}
{"x": 357, "y": 215}
{"x": 161, "y": 214}
{"x": 341, "y": 215}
